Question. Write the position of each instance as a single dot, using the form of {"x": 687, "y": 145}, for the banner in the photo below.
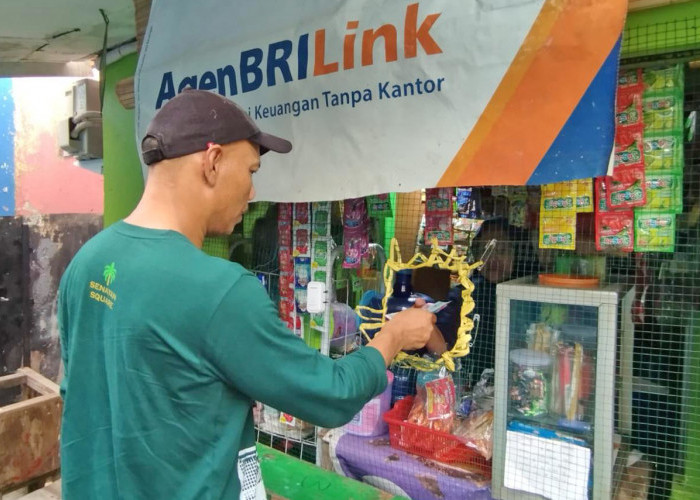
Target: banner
{"x": 398, "y": 95}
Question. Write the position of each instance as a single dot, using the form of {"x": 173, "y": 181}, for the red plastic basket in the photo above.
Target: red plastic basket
{"x": 429, "y": 443}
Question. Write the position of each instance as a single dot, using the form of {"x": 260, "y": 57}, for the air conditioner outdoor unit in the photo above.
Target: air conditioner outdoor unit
{"x": 80, "y": 132}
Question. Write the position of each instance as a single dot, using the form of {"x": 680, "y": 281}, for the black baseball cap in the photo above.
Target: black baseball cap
{"x": 194, "y": 118}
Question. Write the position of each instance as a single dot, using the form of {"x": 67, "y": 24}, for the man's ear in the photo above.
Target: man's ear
{"x": 210, "y": 163}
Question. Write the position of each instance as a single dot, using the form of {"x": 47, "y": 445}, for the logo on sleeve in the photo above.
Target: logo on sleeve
{"x": 102, "y": 293}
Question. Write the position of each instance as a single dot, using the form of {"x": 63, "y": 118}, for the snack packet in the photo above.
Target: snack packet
{"x": 626, "y": 188}
{"x": 434, "y": 404}
{"x": 476, "y": 431}
{"x": 379, "y": 205}
{"x": 614, "y": 231}
{"x": 654, "y": 231}
{"x": 664, "y": 192}
{"x": 558, "y": 215}
{"x": 439, "y": 227}
{"x": 663, "y": 78}
{"x": 584, "y": 195}
{"x": 438, "y": 201}
{"x": 663, "y": 151}
{"x": 321, "y": 218}
{"x": 663, "y": 112}
{"x": 630, "y": 79}
{"x": 629, "y": 147}
{"x": 628, "y": 108}
{"x": 601, "y": 194}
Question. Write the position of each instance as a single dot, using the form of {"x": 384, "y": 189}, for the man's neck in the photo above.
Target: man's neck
{"x": 156, "y": 211}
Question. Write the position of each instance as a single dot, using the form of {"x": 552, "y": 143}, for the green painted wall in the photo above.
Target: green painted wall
{"x": 123, "y": 181}
{"x": 664, "y": 29}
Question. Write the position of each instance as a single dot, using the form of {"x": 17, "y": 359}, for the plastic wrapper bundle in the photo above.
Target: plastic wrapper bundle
{"x": 434, "y": 405}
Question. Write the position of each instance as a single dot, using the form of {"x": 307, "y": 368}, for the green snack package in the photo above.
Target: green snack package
{"x": 663, "y": 151}
{"x": 664, "y": 192}
{"x": 654, "y": 231}
{"x": 663, "y": 112}
{"x": 379, "y": 205}
{"x": 319, "y": 253}
{"x": 663, "y": 78}
{"x": 321, "y": 217}
{"x": 320, "y": 276}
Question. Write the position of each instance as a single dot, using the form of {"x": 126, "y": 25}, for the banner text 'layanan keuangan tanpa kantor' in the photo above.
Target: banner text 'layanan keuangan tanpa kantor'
{"x": 397, "y": 96}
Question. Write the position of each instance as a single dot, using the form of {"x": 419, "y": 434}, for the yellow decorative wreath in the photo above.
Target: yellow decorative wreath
{"x": 440, "y": 259}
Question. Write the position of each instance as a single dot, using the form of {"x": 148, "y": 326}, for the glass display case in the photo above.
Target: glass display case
{"x": 556, "y": 390}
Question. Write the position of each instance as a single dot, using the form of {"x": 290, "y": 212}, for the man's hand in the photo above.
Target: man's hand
{"x": 407, "y": 330}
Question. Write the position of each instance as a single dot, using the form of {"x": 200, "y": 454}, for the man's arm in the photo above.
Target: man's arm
{"x": 250, "y": 349}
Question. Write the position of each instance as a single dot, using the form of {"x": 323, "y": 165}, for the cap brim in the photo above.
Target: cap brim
{"x": 269, "y": 142}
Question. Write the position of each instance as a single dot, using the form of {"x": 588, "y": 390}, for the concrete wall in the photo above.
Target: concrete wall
{"x": 49, "y": 207}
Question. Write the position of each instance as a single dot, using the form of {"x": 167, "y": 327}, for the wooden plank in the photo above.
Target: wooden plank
{"x": 288, "y": 478}
{"x": 39, "y": 383}
{"x": 29, "y": 444}
{"x": 24, "y": 405}
{"x": 12, "y": 380}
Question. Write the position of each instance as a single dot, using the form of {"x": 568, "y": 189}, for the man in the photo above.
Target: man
{"x": 512, "y": 258}
{"x": 166, "y": 349}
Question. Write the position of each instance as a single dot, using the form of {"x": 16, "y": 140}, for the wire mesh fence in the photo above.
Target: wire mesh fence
{"x": 640, "y": 394}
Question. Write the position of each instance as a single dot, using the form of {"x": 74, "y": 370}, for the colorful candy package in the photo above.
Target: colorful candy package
{"x": 321, "y": 218}
{"x": 354, "y": 213}
{"x": 601, "y": 198}
{"x": 439, "y": 227}
{"x": 558, "y": 215}
{"x": 663, "y": 112}
{"x": 379, "y": 205}
{"x": 438, "y": 200}
{"x": 628, "y": 108}
{"x": 630, "y": 79}
{"x": 558, "y": 231}
{"x": 663, "y": 78}
{"x": 301, "y": 214}
{"x": 301, "y": 242}
{"x": 664, "y": 192}
{"x": 626, "y": 188}
{"x": 584, "y": 195}
{"x": 629, "y": 147}
{"x": 663, "y": 151}
{"x": 654, "y": 231}
{"x": 615, "y": 231}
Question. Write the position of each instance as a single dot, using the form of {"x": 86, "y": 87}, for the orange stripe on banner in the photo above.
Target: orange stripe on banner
{"x": 566, "y": 46}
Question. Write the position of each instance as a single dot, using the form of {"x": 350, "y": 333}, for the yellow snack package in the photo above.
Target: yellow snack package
{"x": 584, "y": 195}
{"x": 558, "y": 215}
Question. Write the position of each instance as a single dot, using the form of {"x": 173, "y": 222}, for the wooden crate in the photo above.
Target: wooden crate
{"x": 29, "y": 430}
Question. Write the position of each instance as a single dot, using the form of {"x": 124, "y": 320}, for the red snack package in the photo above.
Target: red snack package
{"x": 601, "y": 197}
{"x": 434, "y": 405}
{"x": 629, "y": 147}
{"x": 615, "y": 231}
{"x": 440, "y": 227}
{"x": 630, "y": 79}
{"x": 626, "y": 187}
{"x": 438, "y": 201}
{"x": 628, "y": 108}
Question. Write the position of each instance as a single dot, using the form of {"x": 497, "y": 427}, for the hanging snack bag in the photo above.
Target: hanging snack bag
{"x": 584, "y": 195}
{"x": 558, "y": 215}
{"x": 663, "y": 112}
{"x": 558, "y": 231}
{"x": 434, "y": 404}
{"x": 301, "y": 214}
{"x": 440, "y": 228}
{"x": 601, "y": 197}
{"x": 438, "y": 201}
{"x": 628, "y": 108}
{"x": 664, "y": 192}
{"x": 626, "y": 188}
{"x": 629, "y": 147}
{"x": 630, "y": 79}
{"x": 615, "y": 231}
{"x": 663, "y": 78}
{"x": 379, "y": 205}
{"x": 355, "y": 213}
{"x": 663, "y": 151}
{"x": 654, "y": 231}
{"x": 321, "y": 217}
